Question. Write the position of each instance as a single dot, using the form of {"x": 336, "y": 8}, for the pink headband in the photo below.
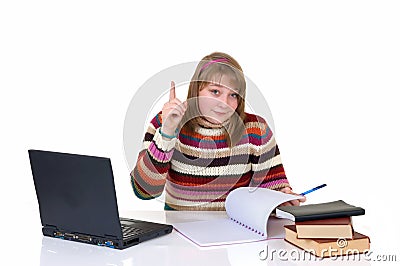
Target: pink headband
{"x": 212, "y": 62}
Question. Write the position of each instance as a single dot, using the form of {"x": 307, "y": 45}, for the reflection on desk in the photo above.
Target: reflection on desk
{"x": 173, "y": 249}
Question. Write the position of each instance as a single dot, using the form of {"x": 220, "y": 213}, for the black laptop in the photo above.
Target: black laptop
{"x": 77, "y": 201}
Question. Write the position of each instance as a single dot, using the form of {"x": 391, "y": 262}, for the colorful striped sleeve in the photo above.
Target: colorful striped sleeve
{"x": 149, "y": 175}
{"x": 267, "y": 167}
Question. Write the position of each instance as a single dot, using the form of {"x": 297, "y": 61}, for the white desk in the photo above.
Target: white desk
{"x": 172, "y": 249}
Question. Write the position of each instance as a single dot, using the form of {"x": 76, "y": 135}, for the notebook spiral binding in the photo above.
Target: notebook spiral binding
{"x": 247, "y": 227}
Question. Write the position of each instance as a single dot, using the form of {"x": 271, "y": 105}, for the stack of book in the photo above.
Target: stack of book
{"x": 324, "y": 229}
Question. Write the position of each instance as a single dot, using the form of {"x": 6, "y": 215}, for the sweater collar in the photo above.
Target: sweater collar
{"x": 202, "y": 122}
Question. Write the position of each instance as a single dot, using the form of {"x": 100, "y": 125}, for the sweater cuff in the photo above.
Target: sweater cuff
{"x": 276, "y": 184}
{"x": 165, "y": 145}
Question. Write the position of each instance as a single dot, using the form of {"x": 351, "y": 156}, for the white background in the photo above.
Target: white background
{"x": 328, "y": 69}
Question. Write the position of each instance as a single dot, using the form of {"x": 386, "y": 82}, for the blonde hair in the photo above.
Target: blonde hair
{"x": 211, "y": 69}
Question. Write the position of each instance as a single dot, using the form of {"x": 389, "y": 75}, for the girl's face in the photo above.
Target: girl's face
{"x": 218, "y": 101}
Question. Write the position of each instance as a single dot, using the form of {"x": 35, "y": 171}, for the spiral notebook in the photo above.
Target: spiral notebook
{"x": 248, "y": 219}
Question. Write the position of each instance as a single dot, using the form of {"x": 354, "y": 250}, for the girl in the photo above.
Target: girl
{"x": 201, "y": 149}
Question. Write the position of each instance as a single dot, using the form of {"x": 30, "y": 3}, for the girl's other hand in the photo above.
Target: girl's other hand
{"x": 297, "y": 202}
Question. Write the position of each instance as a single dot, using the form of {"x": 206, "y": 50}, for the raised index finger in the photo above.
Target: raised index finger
{"x": 172, "y": 91}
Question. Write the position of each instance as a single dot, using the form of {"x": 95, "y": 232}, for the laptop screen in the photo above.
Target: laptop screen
{"x": 76, "y": 193}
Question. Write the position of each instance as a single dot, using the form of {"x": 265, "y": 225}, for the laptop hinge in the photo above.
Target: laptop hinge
{"x": 49, "y": 230}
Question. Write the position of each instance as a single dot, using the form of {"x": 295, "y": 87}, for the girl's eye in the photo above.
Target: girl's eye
{"x": 235, "y": 95}
{"x": 215, "y": 92}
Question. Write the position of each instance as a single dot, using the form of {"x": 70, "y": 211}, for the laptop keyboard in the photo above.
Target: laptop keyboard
{"x": 130, "y": 230}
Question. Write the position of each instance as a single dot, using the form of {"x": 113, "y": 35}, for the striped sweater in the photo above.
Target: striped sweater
{"x": 198, "y": 170}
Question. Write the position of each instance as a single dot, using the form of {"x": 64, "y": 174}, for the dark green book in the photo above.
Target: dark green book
{"x": 334, "y": 209}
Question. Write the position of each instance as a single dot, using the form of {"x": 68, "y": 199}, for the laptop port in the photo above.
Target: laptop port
{"x": 58, "y": 235}
{"x": 83, "y": 238}
{"x": 132, "y": 241}
{"x": 72, "y": 236}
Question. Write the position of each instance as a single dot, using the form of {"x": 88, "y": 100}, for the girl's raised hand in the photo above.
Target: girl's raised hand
{"x": 172, "y": 112}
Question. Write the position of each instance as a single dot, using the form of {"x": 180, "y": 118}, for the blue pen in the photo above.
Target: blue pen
{"x": 313, "y": 189}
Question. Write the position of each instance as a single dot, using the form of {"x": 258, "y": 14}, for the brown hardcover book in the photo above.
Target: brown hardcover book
{"x": 325, "y": 228}
{"x": 329, "y": 247}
